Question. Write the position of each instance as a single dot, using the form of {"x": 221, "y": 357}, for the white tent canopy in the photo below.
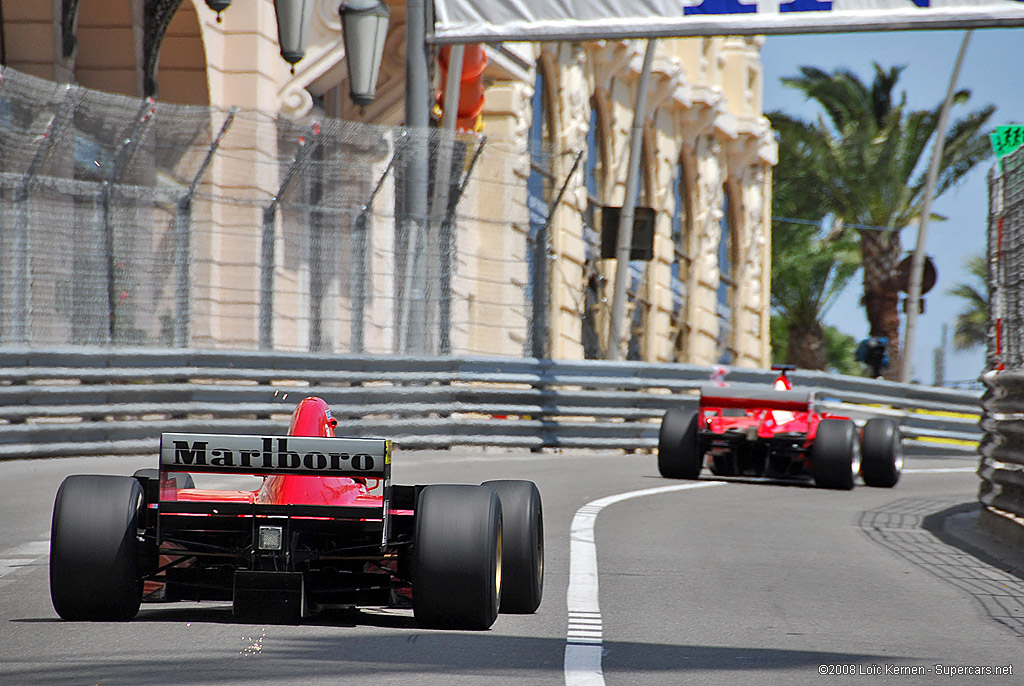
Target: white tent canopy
{"x": 466, "y": 21}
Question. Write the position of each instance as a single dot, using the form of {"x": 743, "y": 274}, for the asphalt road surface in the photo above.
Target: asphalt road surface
{"x": 709, "y": 582}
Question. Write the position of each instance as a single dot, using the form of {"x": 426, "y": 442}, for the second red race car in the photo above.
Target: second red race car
{"x": 777, "y": 433}
{"x": 325, "y": 529}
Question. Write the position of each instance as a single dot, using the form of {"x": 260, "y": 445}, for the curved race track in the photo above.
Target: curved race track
{"x": 732, "y": 582}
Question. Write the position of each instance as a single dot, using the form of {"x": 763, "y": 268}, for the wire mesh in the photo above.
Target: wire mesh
{"x": 134, "y": 222}
{"x": 1006, "y": 263}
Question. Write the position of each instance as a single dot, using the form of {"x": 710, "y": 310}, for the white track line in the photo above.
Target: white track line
{"x": 940, "y": 470}
{"x": 584, "y": 637}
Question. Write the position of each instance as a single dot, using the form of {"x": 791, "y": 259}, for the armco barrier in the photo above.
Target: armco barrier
{"x": 1002, "y": 447}
{"x": 104, "y": 401}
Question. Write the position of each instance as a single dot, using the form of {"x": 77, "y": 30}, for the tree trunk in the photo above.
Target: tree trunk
{"x": 806, "y": 347}
{"x": 880, "y": 252}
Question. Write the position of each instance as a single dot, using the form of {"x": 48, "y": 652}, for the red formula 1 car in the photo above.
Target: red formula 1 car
{"x": 326, "y": 528}
{"x": 777, "y": 434}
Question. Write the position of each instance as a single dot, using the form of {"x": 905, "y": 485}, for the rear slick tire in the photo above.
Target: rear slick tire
{"x": 457, "y": 557}
{"x": 835, "y": 454}
{"x": 94, "y": 548}
{"x": 679, "y": 454}
{"x": 882, "y": 453}
{"x": 522, "y": 540}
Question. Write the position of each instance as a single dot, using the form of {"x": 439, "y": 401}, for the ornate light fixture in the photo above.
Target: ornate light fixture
{"x": 218, "y": 6}
{"x": 293, "y": 27}
{"x": 364, "y": 28}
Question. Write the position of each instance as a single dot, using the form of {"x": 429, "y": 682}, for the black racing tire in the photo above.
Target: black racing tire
{"x": 457, "y": 557}
{"x": 679, "y": 453}
{"x": 835, "y": 454}
{"x": 522, "y": 545}
{"x": 94, "y": 548}
{"x": 882, "y": 453}
{"x": 182, "y": 479}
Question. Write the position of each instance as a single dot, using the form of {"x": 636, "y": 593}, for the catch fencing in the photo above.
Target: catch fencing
{"x": 135, "y": 223}
{"x": 1002, "y": 448}
{"x": 86, "y": 402}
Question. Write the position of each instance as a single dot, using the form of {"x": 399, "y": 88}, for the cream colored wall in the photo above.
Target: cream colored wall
{"x": 492, "y": 250}
{"x": 32, "y": 37}
{"x": 243, "y": 70}
{"x": 244, "y": 66}
{"x": 702, "y": 113}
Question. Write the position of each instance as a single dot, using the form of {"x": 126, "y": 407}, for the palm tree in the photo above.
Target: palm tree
{"x": 971, "y": 328}
{"x": 809, "y": 268}
{"x": 867, "y": 156}
{"x": 809, "y": 272}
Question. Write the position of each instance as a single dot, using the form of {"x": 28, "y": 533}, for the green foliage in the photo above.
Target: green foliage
{"x": 779, "y": 330}
{"x": 809, "y": 271}
{"x": 971, "y": 330}
{"x": 839, "y": 348}
{"x": 863, "y": 161}
{"x": 810, "y": 268}
{"x": 869, "y": 151}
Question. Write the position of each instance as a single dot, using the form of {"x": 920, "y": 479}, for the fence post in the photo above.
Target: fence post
{"x": 22, "y": 243}
{"x": 121, "y": 158}
{"x": 359, "y": 250}
{"x": 183, "y": 242}
{"x": 415, "y": 220}
{"x": 540, "y": 326}
{"x": 447, "y": 243}
{"x": 316, "y": 244}
{"x": 267, "y": 247}
{"x": 360, "y": 247}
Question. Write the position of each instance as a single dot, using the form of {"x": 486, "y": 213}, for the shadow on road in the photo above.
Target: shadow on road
{"x": 333, "y": 655}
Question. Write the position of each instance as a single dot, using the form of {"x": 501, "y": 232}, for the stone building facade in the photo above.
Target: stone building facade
{"x": 708, "y": 153}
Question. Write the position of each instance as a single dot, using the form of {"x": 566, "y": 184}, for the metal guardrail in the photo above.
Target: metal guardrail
{"x": 85, "y": 402}
{"x": 1002, "y": 448}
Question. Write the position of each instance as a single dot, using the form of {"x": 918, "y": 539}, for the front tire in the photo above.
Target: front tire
{"x": 457, "y": 557}
{"x": 882, "y": 452}
{"x": 679, "y": 454}
{"x": 522, "y": 554}
{"x": 835, "y": 454}
{"x": 94, "y": 548}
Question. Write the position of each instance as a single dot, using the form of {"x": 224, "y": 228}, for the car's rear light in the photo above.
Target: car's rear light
{"x": 270, "y": 538}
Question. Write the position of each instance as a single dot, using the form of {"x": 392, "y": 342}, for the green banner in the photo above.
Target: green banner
{"x": 1006, "y": 139}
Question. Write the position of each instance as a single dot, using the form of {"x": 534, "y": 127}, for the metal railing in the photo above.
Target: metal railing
{"x": 1002, "y": 448}
{"x": 62, "y": 402}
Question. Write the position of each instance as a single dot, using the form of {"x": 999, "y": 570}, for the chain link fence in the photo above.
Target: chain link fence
{"x": 138, "y": 223}
{"x": 1002, "y": 446}
{"x": 1006, "y": 263}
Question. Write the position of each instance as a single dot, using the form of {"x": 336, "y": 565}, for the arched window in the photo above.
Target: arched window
{"x": 593, "y": 282}
{"x": 682, "y": 260}
{"x": 728, "y": 260}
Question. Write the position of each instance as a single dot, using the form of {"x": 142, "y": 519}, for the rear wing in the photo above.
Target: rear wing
{"x": 254, "y": 454}
{"x": 268, "y": 455}
{"x": 757, "y": 399}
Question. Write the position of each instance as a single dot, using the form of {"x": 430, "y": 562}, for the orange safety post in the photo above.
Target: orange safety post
{"x": 471, "y": 90}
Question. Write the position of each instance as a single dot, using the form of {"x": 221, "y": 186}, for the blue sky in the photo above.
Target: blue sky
{"x": 989, "y": 72}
